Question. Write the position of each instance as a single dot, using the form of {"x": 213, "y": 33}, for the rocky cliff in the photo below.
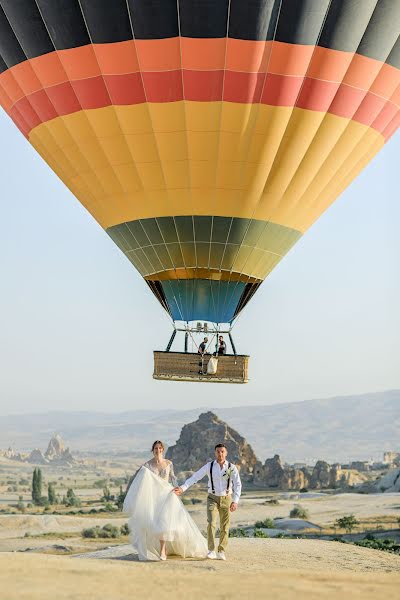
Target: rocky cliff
{"x": 56, "y": 454}
{"x": 196, "y": 443}
{"x": 274, "y": 474}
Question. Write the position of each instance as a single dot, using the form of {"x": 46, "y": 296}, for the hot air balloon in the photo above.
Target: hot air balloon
{"x": 204, "y": 136}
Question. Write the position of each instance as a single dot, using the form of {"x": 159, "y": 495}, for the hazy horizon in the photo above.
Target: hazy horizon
{"x": 78, "y": 324}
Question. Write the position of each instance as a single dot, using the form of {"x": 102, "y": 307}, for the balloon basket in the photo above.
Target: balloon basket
{"x": 188, "y": 366}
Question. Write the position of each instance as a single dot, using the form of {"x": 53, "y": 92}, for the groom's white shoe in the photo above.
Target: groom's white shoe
{"x": 221, "y": 556}
{"x": 212, "y": 555}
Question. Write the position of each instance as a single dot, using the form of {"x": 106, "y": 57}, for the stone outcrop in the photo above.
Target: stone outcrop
{"x": 37, "y": 457}
{"x": 57, "y": 453}
{"x": 198, "y": 439}
{"x": 274, "y": 474}
{"x": 55, "y": 448}
{"x": 11, "y": 454}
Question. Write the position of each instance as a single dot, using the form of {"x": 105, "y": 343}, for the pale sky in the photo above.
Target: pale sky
{"x": 78, "y": 325}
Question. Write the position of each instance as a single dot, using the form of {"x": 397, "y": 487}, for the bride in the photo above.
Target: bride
{"x": 159, "y": 524}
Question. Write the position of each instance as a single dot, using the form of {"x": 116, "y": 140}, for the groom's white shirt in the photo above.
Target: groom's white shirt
{"x": 220, "y": 479}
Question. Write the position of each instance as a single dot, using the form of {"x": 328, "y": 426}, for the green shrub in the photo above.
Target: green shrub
{"x": 237, "y": 532}
{"x": 266, "y": 524}
{"x": 107, "y": 531}
{"x": 259, "y": 533}
{"x": 125, "y": 529}
{"x": 273, "y": 501}
{"x": 298, "y": 512}
{"x": 91, "y": 532}
{"x": 71, "y": 499}
{"x": 347, "y": 522}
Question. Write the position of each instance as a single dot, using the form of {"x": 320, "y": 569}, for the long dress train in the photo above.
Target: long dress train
{"x": 156, "y": 513}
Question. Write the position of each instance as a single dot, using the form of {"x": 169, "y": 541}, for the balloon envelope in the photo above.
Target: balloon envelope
{"x": 205, "y": 137}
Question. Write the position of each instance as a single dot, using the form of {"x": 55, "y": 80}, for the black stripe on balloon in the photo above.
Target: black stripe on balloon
{"x": 107, "y": 20}
{"x": 301, "y": 21}
{"x": 203, "y": 18}
{"x": 386, "y": 21}
{"x": 394, "y": 56}
{"x": 27, "y": 24}
{"x": 253, "y": 20}
{"x": 10, "y": 50}
{"x": 30, "y": 28}
{"x": 65, "y": 23}
{"x": 3, "y": 66}
{"x": 154, "y": 19}
{"x": 368, "y": 28}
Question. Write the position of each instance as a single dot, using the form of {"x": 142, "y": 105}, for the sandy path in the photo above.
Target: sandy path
{"x": 254, "y": 555}
{"x": 277, "y": 569}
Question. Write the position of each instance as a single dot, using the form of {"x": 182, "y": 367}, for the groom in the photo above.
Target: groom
{"x": 224, "y": 489}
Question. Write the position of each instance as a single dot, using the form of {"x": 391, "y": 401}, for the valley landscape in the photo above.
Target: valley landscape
{"x": 292, "y": 515}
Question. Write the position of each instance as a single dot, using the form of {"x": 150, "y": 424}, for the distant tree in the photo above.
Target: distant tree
{"x": 347, "y": 522}
{"x": 51, "y": 494}
{"x": 106, "y": 494}
{"x": 71, "y": 499}
{"x": 298, "y": 512}
{"x": 36, "y": 485}
{"x": 120, "y": 498}
{"x": 21, "y": 505}
{"x": 266, "y": 524}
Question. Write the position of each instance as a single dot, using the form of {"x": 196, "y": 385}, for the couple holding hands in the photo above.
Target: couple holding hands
{"x": 160, "y": 524}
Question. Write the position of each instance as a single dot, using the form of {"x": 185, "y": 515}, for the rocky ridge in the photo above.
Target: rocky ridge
{"x": 196, "y": 443}
{"x": 195, "y": 446}
{"x": 56, "y": 454}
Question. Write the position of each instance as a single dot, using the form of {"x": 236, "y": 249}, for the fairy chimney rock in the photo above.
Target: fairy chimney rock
{"x": 55, "y": 448}
{"x": 197, "y": 441}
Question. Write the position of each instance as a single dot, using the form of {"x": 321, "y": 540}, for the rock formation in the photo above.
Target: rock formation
{"x": 198, "y": 439}
{"x": 274, "y": 474}
{"x": 55, "y": 448}
{"x": 11, "y": 454}
{"x": 56, "y": 454}
{"x": 389, "y": 482}
{"x": 37, "y": 457}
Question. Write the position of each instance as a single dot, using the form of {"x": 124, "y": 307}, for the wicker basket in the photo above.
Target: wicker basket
{"x": 186, "y": 366}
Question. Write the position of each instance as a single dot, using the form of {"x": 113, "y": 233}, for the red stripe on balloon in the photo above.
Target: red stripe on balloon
{"x": 205, "y": 86}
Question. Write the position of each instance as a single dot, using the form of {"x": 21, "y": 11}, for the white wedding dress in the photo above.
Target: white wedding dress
{"x": 156, "y": 513}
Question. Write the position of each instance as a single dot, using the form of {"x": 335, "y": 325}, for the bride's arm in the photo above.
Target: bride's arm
{"x": 172, "y": 476}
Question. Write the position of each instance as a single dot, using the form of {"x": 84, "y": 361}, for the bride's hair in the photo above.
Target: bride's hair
{"x": 157, "y": 442}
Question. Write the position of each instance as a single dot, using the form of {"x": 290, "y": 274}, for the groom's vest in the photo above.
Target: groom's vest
{"x": 212, "y": 480}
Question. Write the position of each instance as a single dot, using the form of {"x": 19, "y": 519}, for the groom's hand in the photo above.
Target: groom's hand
{"x": 233, "y": 506}
{"x": 178, "y": 491}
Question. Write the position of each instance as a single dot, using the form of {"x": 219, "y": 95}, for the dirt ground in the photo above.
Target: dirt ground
{"x": 256, "y": 568}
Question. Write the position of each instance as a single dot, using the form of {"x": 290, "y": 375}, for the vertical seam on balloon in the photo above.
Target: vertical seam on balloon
{"x": 61, "y": 169}
{"x": 151, "y": 121}
{"x": 115, "y": 112}
{"x": 219, "y": 130}
{"x": 91, "y": 169}
{"x": 287, "y": 124}
{"x": 186, "y": 133}
{"x": 255, "y": 119}
{"x": 350, "y": 119}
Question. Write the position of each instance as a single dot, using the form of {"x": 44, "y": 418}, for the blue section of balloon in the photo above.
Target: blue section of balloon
{"x": 203, "y": 299}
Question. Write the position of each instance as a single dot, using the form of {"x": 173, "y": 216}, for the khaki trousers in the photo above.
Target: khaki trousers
{"x": 218, "y": 506}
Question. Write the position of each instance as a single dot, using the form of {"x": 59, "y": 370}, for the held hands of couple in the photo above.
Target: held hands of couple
{"x": 178, "y": 491}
